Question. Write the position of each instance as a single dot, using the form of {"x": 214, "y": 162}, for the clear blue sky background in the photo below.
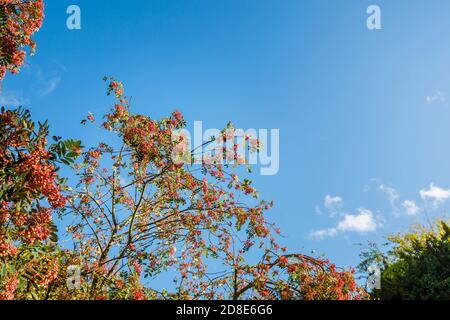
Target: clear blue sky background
{"x": 356, "y": 109}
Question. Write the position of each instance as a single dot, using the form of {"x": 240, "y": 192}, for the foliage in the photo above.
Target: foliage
{"x": 138, "y": 212}
{"x": 141, "y": 208}
{"x": 30, "y": 190}
{"x": 141, "y": 212}
{"x": 19, "y": 20}
{"x": 415, "y": 266}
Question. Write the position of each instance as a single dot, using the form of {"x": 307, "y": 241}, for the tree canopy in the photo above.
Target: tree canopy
{"x": 140, "y": 208}
{"x": 416, "y": 264}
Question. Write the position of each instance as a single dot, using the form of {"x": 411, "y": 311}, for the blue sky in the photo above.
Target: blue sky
{"x": 363, "y": 115}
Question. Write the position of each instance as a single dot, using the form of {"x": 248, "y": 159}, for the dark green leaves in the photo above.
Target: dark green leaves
{"x": 65, "y": 151}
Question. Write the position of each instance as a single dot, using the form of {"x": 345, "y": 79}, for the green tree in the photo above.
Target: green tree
{"x": 416, "y": 265}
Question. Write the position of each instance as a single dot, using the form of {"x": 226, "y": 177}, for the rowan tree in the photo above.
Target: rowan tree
{"x": 19, "y": 20}
{"x": 143, "y": 208}
{"x": 30, "y": 193}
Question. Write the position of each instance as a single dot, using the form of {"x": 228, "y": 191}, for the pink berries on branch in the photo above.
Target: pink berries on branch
{"x": 19, "y": 20}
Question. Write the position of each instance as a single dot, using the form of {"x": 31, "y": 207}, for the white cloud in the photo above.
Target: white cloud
{"x": 411, "y": 207}
{"x": 318, "y": 211}
{"x": 332, "y": 204}
{"x": 46, "y": 81}
{"x": 362, "y": 222}
{"x": 8, "y": 99}
{"x": 48, "y": 85}
{"x": 391, "y": 194}
{"x": 436, "y": 97}
{"x": 324, "y": 233}
{"x": 435, "y": 194}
